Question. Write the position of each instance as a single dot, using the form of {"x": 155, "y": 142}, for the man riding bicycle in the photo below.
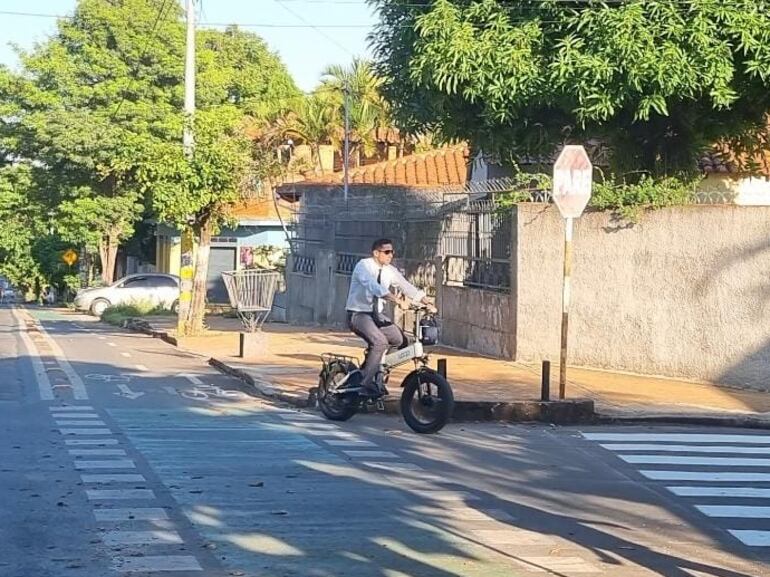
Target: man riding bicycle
{"x": 369, "y": 287}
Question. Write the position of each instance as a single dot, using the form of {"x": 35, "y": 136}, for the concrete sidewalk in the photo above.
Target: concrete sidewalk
{"x": 290, "y": 370}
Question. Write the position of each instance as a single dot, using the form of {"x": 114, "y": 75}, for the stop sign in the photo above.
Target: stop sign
{"x": 572, "y": 177}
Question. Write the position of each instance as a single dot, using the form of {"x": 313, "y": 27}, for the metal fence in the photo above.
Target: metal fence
{"x": 303, "y": 264}
{"x": 480, "y": 273}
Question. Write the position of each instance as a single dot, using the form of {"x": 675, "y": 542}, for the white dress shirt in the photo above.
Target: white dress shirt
{"x": 364, "y": 287}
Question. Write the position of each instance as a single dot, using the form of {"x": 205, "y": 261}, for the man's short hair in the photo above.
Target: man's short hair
{"x": 380, "y": 242}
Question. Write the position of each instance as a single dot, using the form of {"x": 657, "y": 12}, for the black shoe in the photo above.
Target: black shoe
{"x": 370, "y": 391}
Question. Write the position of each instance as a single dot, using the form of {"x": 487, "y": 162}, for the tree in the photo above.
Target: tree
{"x": 111, "y": 74}
{"x": 367, "y": 109}
{"x": 242, "y": 84}
{"x": 658, "y": 80}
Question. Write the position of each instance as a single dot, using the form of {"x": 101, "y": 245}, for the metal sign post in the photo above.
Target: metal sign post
{"x": 572, "y": 178}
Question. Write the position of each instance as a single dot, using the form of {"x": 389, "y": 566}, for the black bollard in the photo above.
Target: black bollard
{"x": 545, "y": 385}
{"x": 441, "y": 367}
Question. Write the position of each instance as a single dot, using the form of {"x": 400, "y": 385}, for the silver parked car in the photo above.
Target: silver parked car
{"x": 158, "y": 289}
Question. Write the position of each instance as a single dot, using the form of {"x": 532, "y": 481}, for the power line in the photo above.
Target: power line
{"x": 316, "y": 28}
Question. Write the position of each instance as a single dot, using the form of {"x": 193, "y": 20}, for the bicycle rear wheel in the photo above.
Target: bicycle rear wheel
{"x": 335, "y": 406}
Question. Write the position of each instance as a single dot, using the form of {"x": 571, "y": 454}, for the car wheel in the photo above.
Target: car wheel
{"x": 99, "y": 306}
{"x": 175, "y": 307}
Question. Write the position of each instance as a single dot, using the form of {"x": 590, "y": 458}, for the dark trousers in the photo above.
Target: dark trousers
{"x": 379, "y": 336}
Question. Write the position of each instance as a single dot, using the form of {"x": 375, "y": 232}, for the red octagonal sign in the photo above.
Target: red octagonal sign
{"x": 572, "y": 177}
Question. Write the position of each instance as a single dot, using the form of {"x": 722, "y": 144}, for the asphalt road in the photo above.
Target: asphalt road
{"x": 122, "y": 456}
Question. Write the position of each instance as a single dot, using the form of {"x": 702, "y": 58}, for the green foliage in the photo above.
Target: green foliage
{"x": 117, "y": 314}
{"x": 658, "y": 80}
{"x": 627, "y": 196}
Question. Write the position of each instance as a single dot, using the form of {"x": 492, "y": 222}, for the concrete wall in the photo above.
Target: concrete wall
{"x": 684, "y": 292}
{"x": 477, "y": 320}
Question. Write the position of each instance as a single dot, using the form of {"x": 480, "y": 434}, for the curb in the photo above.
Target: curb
{"x": 578, "y": 411}
{"x": 264, "y": 388}
{"x": 556, "y": 412}
{"x": 735, "y": 422}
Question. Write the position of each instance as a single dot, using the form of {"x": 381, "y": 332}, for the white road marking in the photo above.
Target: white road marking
{"x": 393, "y": 467}
{"x": 446, "y": 495}
{"x": 125, "y": 354}
{"x": 71, "y": 408}
{"x": 78, "y": 388}
{"x": 100, "y": 442}
{"x": 730, "y": 449}
{"x": 142, "y": 368}
{"x": 81, "y": 423}
{"x": 111, "y": 464}
{"x": 41, "y": 376}
{"x": 119, "y": 494}
{"x": 85, "y": 431}
{"x": 349, "y": 443}
{"x": 299, "y": 417}
{"x": 138, "y": 514}
{"x": 701, "y": 461}
{"x": 372, "y": 454}
{"x": 114, "y": 478}
{"x": 192, "y": 378}
{"x": 74, "y": 415}
{"x": 735, "y": 511}
{"x": 125, "y": 391}
{"x": 142, "y": 538}
{"x": 707, "y": 477}
{"x": 751, "y": 538}
{"x": 171, "y": 390}
{"x": 679, "y": 438}
{"x": 100, "y": 452}
{"x": 149, "y": 564}
{"x": 730, "y": 492}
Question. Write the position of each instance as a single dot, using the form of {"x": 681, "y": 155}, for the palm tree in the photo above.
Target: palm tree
{"x": 368, "y": 110}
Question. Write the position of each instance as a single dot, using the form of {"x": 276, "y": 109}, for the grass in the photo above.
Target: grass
{"x": 117, "y": 314}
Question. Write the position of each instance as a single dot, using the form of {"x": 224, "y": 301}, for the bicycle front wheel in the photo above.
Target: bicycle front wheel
{"x": 427, "y": 401}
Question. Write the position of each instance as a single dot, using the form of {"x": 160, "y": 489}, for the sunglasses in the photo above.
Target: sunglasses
{"x": 389, "y": 251}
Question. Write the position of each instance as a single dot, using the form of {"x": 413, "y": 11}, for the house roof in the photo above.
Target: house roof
{"x": 442, "y": 166}
{"x": 258, "y": 209}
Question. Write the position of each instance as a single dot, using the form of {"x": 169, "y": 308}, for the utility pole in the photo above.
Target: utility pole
{"x": 186, "y": 268}
{"x": 346, "y": 159}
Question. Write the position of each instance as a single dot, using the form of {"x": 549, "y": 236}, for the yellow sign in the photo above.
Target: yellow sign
{"x": 70, "y": 257}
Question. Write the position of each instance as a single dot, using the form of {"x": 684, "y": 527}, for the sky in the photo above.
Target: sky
{"x": 307, "y": 34}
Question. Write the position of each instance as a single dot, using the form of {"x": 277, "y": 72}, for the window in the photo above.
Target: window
{"x": 162, "y": 282}
{"x": 137, "y": 282}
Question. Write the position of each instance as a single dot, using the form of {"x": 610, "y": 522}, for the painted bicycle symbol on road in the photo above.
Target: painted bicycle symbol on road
{"x": 205, "y": 392}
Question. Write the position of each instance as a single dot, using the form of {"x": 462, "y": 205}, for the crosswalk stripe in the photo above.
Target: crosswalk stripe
{"x": 141, "y": 538}
{"x": 85, "y": 431}
{"x": 119, "y": 494}
{"x": 114, "y": 478}
{"x": 71, "y": 408}
{"x": 730, "y": 449}
{"x": 706, "y": 477}
{"x": 73, "y": 442}
{"x": 133, "y": 514}
{"x": 728, "y": 492}
{"x": 75, "y": 416}
{"x": 689, "y": 461}
{"x": 98, "y": 452}
{"x": 751, "y": 538}
{"x": 152, "y": 563}
{"x": 111, "y": 464}
{"x": 372, "y": 454}
{"x": 88, "y": 423}
{"x": 735, "y": 511}
{"x": 680, "y": 437}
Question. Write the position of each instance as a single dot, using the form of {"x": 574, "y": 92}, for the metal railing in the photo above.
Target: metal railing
{"x": 303, "y": 265}
{"x": 481, "y": 273}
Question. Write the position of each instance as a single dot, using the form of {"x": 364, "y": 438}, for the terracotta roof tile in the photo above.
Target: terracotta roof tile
{"x": 446, "y": 165}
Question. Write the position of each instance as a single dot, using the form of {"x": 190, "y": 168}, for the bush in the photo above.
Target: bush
{"x": 117, "y": 314}
{"x": 627, "y": 196}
